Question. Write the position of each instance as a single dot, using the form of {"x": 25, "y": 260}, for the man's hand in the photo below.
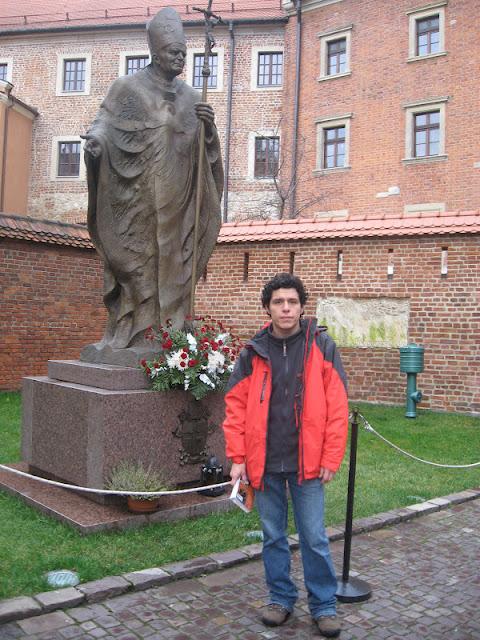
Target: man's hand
{"x": 238, "y": 471}
{"x": 205, "y": 112}
{"x": 326, "y": 475}
{"x": 92, "y": 146}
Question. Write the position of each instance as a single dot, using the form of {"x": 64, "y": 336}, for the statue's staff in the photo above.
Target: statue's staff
{"x": 210, "y": 21}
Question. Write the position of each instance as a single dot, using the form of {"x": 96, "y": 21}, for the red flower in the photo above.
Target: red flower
{"x": 143, "y": 362}
{"x": 168, "y": 344}
{"x": 165, "y": 335}
{"x": 203, "y": 330}
{"x": 185, "y": 349}
{"x": 183, "y": 355}
{"x": 183, "y": 363}
{"x": 148, "y": 371}
{"x": 232, "y": 358}
{"x": 192, "y": 362}
{"x": 220, "y": 343}
{"x": 214, "y": 345}
{"x": 226, "y": 350}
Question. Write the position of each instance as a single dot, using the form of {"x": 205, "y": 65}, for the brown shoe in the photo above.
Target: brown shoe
{"x": 273, "y": 615}
{"x": 328, "y": 626}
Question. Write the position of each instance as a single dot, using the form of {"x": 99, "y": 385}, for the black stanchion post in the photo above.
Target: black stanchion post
{"x": 351, "y": 589}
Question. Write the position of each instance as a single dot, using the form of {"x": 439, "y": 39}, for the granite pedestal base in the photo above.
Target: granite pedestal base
{"x": 82, "y": 420}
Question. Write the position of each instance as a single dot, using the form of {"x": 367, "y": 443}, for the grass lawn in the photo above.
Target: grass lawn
{"x": 31, "y": 543}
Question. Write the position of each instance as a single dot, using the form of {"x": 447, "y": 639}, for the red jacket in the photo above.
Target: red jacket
{"x": 322, "y": 412}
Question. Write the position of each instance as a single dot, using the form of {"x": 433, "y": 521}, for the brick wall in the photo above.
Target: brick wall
{"x": 444, "y": 313}
{"x": 375, "y": 93}
{"x": 52, "y": 306}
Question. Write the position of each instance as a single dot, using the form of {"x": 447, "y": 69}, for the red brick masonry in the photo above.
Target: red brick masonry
{"x": 52, "y": 304}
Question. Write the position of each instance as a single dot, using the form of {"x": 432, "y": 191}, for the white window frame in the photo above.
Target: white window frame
{"x": 54, "y": 160}
{"x": 411, "y": 110}
{"x": 252, "y": 136}
{"x": 191, "y": 53}
{"x": 122, "y": 67}
{"x": 254, "y": 68}
{"x": 9, "y": 63}
{"x": 330, "y": 36}
{"x": 330, "y": 123}
{"x": 420, "y": 14}
{"x": 61, "y": 58}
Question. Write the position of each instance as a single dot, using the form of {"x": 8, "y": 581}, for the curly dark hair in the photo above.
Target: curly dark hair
{"x": 284, "y": 281}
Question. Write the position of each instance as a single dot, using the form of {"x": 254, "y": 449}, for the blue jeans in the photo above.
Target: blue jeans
{"x": 308, "y": 506}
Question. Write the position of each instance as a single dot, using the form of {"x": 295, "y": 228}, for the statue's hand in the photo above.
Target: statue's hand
{"x": 205, "y": 113}
{"x": 92, "y": 146}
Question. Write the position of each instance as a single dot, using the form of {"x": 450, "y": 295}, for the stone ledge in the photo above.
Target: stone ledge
{"x": 105, "y": 588}
{"x": 60, "y": 599}
{"x": 228, "y": 558}
{"x": 190, "y": 568}
{"x": 18, "y": 608}
{"x": 146, "y": 578}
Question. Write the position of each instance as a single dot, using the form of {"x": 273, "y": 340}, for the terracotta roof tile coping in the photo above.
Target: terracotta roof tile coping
{"x": 49, "y": 231}
{"x": 356, "y": 225}
{"x": 449, "y": 222}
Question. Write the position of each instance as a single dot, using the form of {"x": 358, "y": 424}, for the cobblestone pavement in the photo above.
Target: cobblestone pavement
{"x": 425, "y": 576}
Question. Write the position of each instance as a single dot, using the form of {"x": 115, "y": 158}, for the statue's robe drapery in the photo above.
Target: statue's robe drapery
{"x": 141, "y": 210}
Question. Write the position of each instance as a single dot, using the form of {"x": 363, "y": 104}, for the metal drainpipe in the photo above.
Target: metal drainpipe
{"x": 229, "y": 121}
{"x": 298, "y": 52}
{"x": 8, "y": 90}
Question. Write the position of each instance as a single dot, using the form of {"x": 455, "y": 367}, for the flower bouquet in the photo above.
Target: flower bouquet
{"x": 198, "y": 361}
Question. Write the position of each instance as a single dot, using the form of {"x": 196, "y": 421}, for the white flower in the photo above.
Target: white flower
{"x": 186, "y": 383}
{"x": 206, "y": 380}
{"x": 192, "y": 343}
{"x": 216, "y": 360}
{"x": 174, "y": 359}
{"x": 223, "y": 337}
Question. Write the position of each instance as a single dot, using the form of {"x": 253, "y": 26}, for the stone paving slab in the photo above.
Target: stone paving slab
{"x": 424, "y": 573}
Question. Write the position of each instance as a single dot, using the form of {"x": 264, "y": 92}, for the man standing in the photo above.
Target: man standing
{"x": 286, "y": 424}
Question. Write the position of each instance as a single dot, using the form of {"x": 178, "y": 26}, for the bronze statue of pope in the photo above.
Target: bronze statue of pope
{"x": 142, "y": 155}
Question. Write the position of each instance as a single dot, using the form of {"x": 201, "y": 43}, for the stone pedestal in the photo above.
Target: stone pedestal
{"x": 83, "y": 419}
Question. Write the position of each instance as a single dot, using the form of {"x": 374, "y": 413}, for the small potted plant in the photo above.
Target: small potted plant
{"x": 134, "y": 476}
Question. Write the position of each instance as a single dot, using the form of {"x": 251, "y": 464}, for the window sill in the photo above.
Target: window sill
{"x": 277, "y": 87}
{"x": 324, "y": 172}
{"x": 334, "y": 76}
{"x": 438, "y": 158}
{"x": 262, "y": 180}
{"x": 63, "y": 94}
{"x": 69, "y": 179}
{"x": 428, "y": 56}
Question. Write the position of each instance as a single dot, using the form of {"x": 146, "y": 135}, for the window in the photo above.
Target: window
{"x": 6, "y": 69}
{"x": 68, "y": 160}
{"x": 197, "y": 80}
{"x": 333, "y": 136}
{"x": 337, "y": 56}
{"x": 427, "y": 134}
{"x": 427, "y": 32}
{"x": 194, "y": 64}
{"x": 425, "y": 130}
{"x": 266, "y": 157}
{"x": 267, "y": 69}
{"x": 428, "y": 35}
{"x": 335, "y": 53}
{"x": 334, "y": 147}
{"x": 74, "y": 75}
{"x": 135, "y": 63}
{"x": 270, "y": 68}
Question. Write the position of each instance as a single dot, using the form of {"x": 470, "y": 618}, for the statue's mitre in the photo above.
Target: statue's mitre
{"x": 165, "y": 28}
